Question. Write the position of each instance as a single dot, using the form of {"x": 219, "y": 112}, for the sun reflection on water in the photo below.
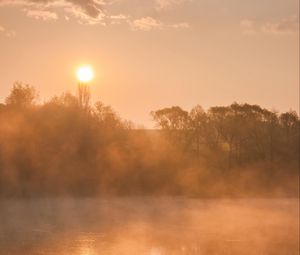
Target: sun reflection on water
{"x": 87, "y": 245}
{"x": 87, "y": 250}
{"x": 156, "y": 251}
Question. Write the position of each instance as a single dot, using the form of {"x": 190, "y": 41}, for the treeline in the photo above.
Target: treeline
{"x": 237, "y": 135}
{"x": 65, "y": 146}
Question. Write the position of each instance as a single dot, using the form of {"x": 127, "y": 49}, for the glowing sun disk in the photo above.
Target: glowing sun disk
{"x": 85, "y": 74}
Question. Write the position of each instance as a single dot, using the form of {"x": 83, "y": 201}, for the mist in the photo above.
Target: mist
{"x": 148, "y": 225}
{"x": 67, "y": 147}
{"x": 77, "y": 178}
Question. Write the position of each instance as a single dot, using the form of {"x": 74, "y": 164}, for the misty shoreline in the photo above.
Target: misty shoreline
{"x": 68, "y": 147}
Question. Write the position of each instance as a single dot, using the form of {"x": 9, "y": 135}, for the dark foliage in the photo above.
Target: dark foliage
{"x": 63, "y": 147}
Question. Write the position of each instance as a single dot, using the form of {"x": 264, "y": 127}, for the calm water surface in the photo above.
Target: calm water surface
{"x": 149, "y": 226}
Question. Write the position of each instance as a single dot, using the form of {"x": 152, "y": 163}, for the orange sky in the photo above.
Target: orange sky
{"x": 149, "y": 54}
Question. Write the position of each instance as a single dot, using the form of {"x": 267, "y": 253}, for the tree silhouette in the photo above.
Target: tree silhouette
{"x": 67, "y": 146}
{"x": 21, "y": 96}
{"x": 84, "y": 96}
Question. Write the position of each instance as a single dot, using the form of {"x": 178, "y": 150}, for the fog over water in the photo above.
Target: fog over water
{"x": 77, "y": 179}
{"x": 149, "y": 127}
{"x": 145, "y": 225}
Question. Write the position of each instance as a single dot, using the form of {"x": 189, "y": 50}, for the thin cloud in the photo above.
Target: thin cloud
{"x": 7, "y": 33}
{"x": 83, "y": 17}
{"x": 289, "y": 25}
{"x": 93, "y": 12}
{"x": 182, "y": 25}
{"x": 146, "y": 24}
{"x": 86, "y": 11}
{"x": 248, "y": 27}
{"x": 90, "y": 7}
{"x": 118, "y": 19}
{"x": 41, "y": 15}
{"x": 11, "y": 33}
{"x": 164, "y": 4}
{"x": 149, "y": 23}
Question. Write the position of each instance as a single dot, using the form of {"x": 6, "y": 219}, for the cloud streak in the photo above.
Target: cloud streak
{"x": 248, "y": 27}
{"x": 149, "y": 23}
{"x": 41, "y": 15}
{"x": 92, "y": 12}
{"x": 146, "y": 24}
{"x": 6, "y": 32}
{"x": 289, "y": 25}
{"x": 86, "y": 11}
{"x": 165, "y": 4}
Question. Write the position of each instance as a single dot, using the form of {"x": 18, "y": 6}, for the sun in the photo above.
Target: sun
{"x": 85, "y": 74}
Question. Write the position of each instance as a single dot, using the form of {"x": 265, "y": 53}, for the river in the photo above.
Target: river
{"x": 145, "y": 225}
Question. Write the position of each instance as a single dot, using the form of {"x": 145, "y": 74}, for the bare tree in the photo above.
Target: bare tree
{"x": 84, "y": 96}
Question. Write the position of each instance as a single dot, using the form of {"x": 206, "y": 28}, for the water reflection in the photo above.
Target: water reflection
{"x": 149, "y": 227}
{"x": 87, "y": 250}
{"x": 86, "y": 245}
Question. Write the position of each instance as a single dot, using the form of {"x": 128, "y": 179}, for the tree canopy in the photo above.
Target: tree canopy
{"x": 63, "y": 146}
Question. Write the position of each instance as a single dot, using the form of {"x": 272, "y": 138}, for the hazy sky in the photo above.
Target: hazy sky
{"x": 149, "y": 54}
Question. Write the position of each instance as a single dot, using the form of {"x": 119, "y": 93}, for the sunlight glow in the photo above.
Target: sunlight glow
{"x": 85, "y": 74}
